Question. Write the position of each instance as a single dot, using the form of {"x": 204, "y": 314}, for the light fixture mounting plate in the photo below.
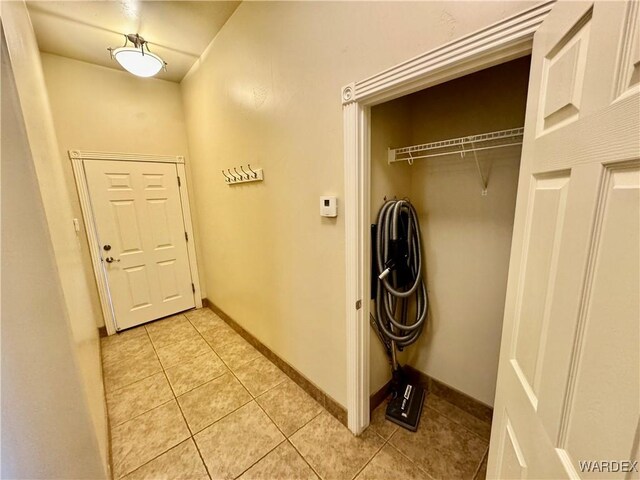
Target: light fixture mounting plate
{"x": 136, "y": 39}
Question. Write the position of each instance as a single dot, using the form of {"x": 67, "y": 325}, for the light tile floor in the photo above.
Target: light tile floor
{"x": 188, "y": 398}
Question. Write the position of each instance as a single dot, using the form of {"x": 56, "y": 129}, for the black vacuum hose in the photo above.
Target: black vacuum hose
{"x": 398, "y": 253}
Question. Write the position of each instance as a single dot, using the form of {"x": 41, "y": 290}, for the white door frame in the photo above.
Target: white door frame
{"x": 78, "y": 157}
{"x": 503, "y": 41}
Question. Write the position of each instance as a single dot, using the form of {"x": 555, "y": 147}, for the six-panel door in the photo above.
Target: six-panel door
{"x": 568, "y": 393}
{"x": 141, "y": 234}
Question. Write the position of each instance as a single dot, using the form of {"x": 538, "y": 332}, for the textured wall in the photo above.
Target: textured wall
{"x": 267, "y": 92}
{"x": 53, "y": 407}
{"x": 99, "y": 108}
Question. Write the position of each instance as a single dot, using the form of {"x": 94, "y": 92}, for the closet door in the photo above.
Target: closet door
{"x": 568, "y": 393}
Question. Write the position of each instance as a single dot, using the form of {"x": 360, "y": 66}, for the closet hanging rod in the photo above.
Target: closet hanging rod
{"x": 406, "y": 154}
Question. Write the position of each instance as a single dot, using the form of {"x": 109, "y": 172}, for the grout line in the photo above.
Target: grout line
{"x": 270, "y": 419}
{"x": 153, "y": 346}
{"x": 258, "y": 461}
{"x": 142, "y": 413}
{"x": 384, "y": 442}
{"x": 387, "y": 441}
{"x": 477, "y": 470}
{"x": 475, "y": 434}
{"x": 229, "y": 371}
{"x": 309, "y": 421}
{"x": 223, "y": 417}
{"x": 301, "y": 455}
{"x": 226, "y": 370}
{"x": 206, "y": 468}
{"x": 273, "y": 387}
{"x": 253, "y": 398}
{"x": 303, "y": 382}
{"x": 184, "y": 418}
{"x": 286, "y": 438}
{"x": 263, "y": 410}
{"x": 161, "y": 453}
{"x": 220, "y": 356}
{"x": 410, "y": 460}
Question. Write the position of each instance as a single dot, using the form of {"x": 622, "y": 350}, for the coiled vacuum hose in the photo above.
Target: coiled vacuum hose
{"x": 399, "y": 231}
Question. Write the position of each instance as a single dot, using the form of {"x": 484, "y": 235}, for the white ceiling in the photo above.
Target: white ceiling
{"x": 178, "y": 31}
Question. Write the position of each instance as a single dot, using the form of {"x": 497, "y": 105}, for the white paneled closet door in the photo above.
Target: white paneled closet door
{"x": 568, "y": 393}
{"x": 141, "y": 234}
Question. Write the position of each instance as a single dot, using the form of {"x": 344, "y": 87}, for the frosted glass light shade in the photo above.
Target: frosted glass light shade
{"x": 133, "y": 61}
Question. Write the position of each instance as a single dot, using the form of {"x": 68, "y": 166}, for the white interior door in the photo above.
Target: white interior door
{"x": 141, "y": 234}
{"x": 568, "y": 387}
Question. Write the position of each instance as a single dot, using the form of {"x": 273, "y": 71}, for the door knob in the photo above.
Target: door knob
{"x": 111, "y": 260}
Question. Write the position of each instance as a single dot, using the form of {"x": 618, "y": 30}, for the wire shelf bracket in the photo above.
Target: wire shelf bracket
{"x": 459, "y": 146}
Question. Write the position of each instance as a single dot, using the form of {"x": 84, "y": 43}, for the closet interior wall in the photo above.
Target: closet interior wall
{"x": 466, "y": 236}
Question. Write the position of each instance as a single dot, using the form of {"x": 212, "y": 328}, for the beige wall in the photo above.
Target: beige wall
{"x": 98, "y": 108}
{"x": 267, "y": 92}
{"x": 53, "y": 408}
{"x": 466, "y": 236}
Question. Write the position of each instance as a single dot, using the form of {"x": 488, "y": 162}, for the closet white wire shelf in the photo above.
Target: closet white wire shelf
{"x": 459, "y": 146}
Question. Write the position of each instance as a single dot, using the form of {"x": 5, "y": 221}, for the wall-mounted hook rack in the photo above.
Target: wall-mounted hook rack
{"x": 233, "y": 177}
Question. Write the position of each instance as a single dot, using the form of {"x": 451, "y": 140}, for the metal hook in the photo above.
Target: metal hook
{"x": 410, "y": 159}
{"x": 255, "y": 175}
{"x": 248, "y": 177}
{"x": 239, "y": 174}
{"x": 228, "y": 179}
{"x": 462, "y": 152}
{"x": 234, "y": 177}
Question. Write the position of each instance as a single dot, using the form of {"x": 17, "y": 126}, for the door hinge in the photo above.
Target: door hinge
{"x": 358, "y": 304}
{"x": 186, "y": 236}
{"x": 193, "y": 288}
{"x": 179, "y": 182}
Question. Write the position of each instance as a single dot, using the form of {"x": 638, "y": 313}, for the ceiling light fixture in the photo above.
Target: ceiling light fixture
{"x": 135, "y": 59}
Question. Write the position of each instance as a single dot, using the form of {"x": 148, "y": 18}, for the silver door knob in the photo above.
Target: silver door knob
{"x": 111, "y": 260}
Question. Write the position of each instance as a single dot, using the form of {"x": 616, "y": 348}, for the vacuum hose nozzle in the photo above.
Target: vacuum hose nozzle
{"x": 384, "y": 273}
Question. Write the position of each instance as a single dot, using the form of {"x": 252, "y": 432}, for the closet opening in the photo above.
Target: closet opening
{"x": 453, "y": 150}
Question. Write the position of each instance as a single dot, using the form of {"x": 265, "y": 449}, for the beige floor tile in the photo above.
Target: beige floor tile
{"x": 170, "y": 330}
{"x": 259, "y": 375}
{"x": 137, "y": 398}
{"x": 180, "y": 352}
{"x": 140, "y": 440}
{"x": 477, "y": 426}
{"x": 289, "y": 406}
{"x": 119, "y": 346}
{"x": 182, "y": 462}
{"x": 380, "y": 424}
{"x": 441, "y": 447}
{"x": 130, "y": 369}
{"x": 195, "y": 372}
{"x": 282, "y": 463}
{"x": 391, "y": 464}
{"x": 236, "y": 352}
{"x": 204, "y": 319}
{"x": 332, "y": 450}
{"x": 233, "y": 444}
{"x": 220, "y": 335}
{"x": 205, "y": 404}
